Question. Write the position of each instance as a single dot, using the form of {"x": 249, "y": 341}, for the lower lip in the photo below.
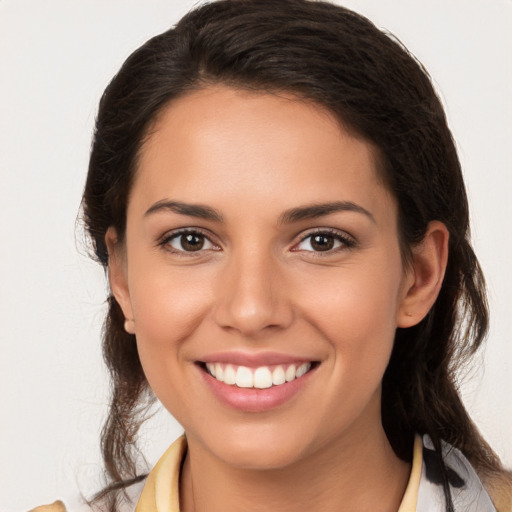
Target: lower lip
{"x": 253, "y": 399}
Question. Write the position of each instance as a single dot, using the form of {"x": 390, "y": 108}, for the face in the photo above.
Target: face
{"x": 262, "y": 269}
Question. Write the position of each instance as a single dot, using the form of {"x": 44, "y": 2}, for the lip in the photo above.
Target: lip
{"x": 253, "y": 360}
{"x": 253, "y": 399}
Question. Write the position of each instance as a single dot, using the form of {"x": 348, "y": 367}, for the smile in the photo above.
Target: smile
{"x": 262, "y": 377}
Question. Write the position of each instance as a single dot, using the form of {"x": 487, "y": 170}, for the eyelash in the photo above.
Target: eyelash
{"x": 347, "y": 242}
{"x": 164, "y": 242}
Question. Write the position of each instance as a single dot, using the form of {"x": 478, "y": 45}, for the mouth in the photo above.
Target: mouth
{"x": 261, "y": 377}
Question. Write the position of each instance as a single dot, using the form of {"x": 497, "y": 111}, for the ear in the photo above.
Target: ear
{"x": 425, "y": 276}
{"x": 118, "y": 277}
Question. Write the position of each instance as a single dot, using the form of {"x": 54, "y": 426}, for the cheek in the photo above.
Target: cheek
{"x": 167, "y": 307}
{"x": 359, "y": 298}
{"x": 163, "y": 297}
{"x": 356, "y": 312}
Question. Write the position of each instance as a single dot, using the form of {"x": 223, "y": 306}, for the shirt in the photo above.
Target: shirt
{"x": 159, "y": 492}
{"x": 424, "y": 492}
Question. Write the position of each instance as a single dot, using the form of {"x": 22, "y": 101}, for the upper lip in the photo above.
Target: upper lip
{"x": 254, "y": 359}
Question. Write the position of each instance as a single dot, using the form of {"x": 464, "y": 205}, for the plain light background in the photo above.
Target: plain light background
{"x": 56, "y": 57}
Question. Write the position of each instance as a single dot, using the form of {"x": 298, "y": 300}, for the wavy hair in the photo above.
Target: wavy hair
{"x": 338, "y": 59}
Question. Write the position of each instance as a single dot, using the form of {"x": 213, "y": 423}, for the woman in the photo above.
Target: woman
{"x": 278, "y": 200}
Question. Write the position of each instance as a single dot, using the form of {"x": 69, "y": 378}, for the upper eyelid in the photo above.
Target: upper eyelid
{"x": 166, "y": 238}
{"x": 347, "y": 241}
{"x": 331, "y": 231}
{"x": 183, "y": 231}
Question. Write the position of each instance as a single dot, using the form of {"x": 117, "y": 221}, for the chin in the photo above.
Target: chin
{"x": 264, "y": 450}
{"x": 260, "y": 459}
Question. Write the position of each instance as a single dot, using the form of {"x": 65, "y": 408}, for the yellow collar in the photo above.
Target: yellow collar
{"x": 410, "y": 499}
{"x": 161, "y": 490}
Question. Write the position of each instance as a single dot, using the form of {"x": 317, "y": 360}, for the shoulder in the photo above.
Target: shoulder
{"x": 469, "y": 493}
{"x": 499, "y": 487}
{"x": 125, "y": 502}
{"x": 56, "y": 506}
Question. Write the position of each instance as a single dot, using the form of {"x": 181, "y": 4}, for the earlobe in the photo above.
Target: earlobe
{"x": 118, "y": 278}
{"x": 425, "y": 276}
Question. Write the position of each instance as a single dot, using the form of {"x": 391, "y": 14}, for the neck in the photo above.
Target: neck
{"x": 358, "y": 472}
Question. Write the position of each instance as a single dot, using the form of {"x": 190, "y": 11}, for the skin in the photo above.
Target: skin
{"x": 258, "y": 286}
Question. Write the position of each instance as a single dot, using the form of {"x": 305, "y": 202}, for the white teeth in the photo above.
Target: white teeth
{"x": 302, "y": 369}
{"x": 244, "y": 377}
{"x": 290, "y": 373}
{"x": 229, "y": 375}
{"x": 211, "y": 368}
{"x": 278, "y": 376}
{"x": 219, "y": 372}
{"x": 261, "y": 378}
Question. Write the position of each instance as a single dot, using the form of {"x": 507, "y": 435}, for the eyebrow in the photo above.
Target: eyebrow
{"x": 322, "y": 209}
{"x": 288, "y": 217}
{"x": 192, "y": 210}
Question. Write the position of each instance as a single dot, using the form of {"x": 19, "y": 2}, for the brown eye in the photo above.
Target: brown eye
{"x": 189, "y": 242}
{"x": 192, "y": 242}
{"x": 322, "y": 242}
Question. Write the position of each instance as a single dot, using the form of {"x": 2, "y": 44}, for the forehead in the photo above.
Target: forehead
{"x": 220, "y": 142}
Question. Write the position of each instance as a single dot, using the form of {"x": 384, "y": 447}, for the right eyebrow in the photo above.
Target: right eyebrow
{"x": 192, "y": 210}
{"x": 319, "y": 210}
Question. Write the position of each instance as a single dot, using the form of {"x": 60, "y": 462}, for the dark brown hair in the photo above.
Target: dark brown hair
{"x": 337, "y": 58}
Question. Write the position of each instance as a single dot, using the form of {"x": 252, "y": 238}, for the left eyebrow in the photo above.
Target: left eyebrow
{"x": 319, "y": 210}
{"x": 192, "y": 210}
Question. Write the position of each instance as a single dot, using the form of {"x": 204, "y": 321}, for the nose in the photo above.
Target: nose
{"x": 252, "y": 296}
